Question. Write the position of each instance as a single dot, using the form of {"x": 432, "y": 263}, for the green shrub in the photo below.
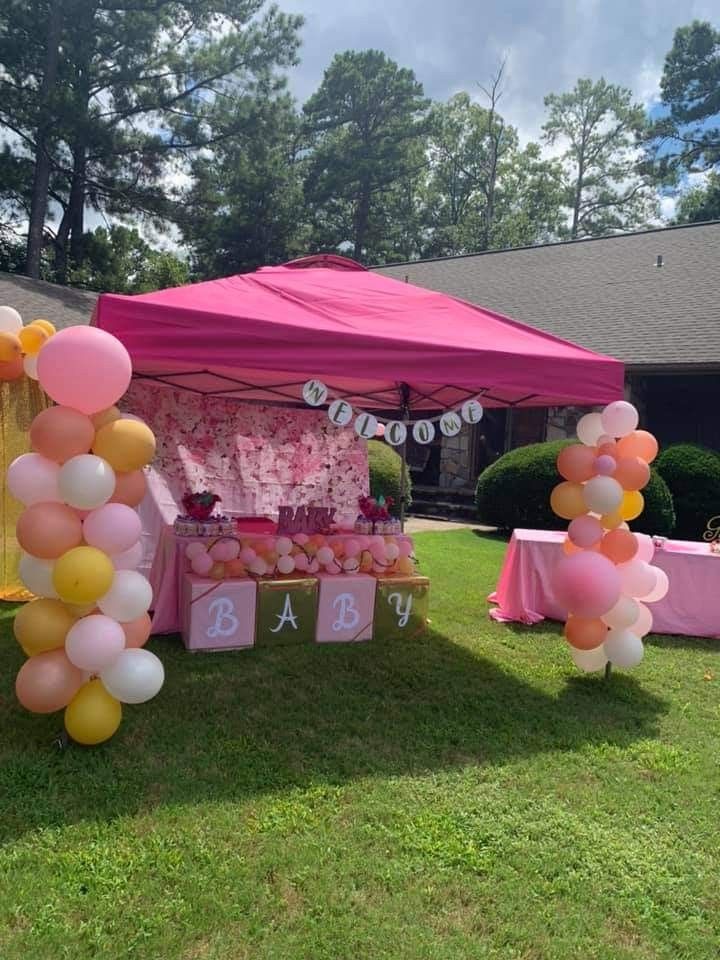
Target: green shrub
{"x": 385, "y": 473}
{"x": 515, "y": 492}
{"x": 693, "y": 475}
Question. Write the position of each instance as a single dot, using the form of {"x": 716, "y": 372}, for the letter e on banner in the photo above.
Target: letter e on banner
{"x": 450, "y": 424}
{"x": 424, "y": 431}
{"x": 472, "y": 411}
{"x": 340, "y": 413}
{"x": 315, "y": 393}
{"x": 395, "y": 433}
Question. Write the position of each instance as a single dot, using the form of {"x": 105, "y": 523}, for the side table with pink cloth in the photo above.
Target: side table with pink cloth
{"x": 691, "y": 608}
{"x": 169, "y": 564}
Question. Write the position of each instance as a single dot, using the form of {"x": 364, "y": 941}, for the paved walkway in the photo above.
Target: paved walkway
{"x": 421, "y": 525}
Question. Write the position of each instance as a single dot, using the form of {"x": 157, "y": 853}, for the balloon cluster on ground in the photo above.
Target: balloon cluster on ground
{"x": 80, "y": 535}
{"x": 20, "y": 345}
{"x": 231, "y": 557}
{"x": 606, "y": 577}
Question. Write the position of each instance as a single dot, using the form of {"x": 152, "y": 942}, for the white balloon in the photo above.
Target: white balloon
{"x": 619, "y": 418}
{"x": 130, "y": 559}
{"x": 86, "y": 482}
{"x": 589, "y": 661}
{"x": 30, "y": 366}
{"x": 590, "y": 429}
{"x": 662, "y": 585}
{"x": 602, "y": 495}
{"x": 37, "y": 575}
{"x": 623, "y": 648}
{"x": 10, "y": 320}
{"x": 136, "y": 676}
{"x": 623, "y": 614}
{"x": 128, "y": 598}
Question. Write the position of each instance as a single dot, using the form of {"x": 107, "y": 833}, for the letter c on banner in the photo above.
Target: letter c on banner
{"x": 395, "y": 433}
{"x": 340, "y": 413}
{"x": 366, "y": 426}
{"x": 424, "y": 431}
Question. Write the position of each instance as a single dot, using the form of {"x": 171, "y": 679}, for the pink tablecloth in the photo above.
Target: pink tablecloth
{"x": 167, "y": 570}
{"x": 691, "y": 608}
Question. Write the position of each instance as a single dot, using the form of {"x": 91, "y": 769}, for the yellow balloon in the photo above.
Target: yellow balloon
{"x": 125, "y": 444}
{"x": 104, "y": 417}
{"x": 32, "y": 338}
{"x": 567, "y": 501}
{"x": 42, "y": 625}
{"x": 611, "y": 520}
{"x": 83, "y": 575}
{"x": 81, "y": 610}
{"x": 633, "y": 504}
{"x": 93, "y": 715}
{"x": 405, "y": 566}
{"x": 44, "y": 325}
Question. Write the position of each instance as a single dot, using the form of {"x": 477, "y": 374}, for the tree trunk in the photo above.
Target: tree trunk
{"x": 61, "y": 248}
{"x": 362, "y": 218}
{"x": 77, "y": 201}
{"x": 41, "y": 177}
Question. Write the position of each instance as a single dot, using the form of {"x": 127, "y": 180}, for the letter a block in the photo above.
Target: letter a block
{"x": 345, "y": 608}
{"x": 286, "y": 611}
{"x": 217, "y": 616}
{"x": 401, "y": 607}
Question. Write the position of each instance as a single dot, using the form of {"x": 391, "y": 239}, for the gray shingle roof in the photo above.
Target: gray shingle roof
{"x": 33, "y": 299}
{"x": 605, "y": 294}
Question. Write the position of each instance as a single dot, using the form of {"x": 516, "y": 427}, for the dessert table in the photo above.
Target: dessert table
{"x": 524, "y": 591}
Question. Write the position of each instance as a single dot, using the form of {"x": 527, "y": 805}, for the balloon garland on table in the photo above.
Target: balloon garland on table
{"x": 605, "y": 578}
{"x": 80, "y": 536}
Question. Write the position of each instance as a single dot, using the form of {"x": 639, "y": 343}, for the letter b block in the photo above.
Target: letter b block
{"x": 217, "y": 616}
{"x": 287, "y": 611}
{"x": 345, "y": 609}
{"x": 401, "y": 607}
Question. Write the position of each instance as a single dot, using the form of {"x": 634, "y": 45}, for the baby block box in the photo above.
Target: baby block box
{"x": 401, "y": 607}
{"x": 345, "y": 608}
{"x": 217, "y": 615}
{"x": 286, "y": 611}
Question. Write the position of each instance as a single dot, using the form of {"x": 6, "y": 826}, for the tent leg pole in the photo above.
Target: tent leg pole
{"x": 405, "y": 413}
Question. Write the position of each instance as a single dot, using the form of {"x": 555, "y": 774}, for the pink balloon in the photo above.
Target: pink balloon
{"x": 393, "y": 551}
{"x": 352, "y": 548}
{"x": 332, "y": 568}
{"x": 380, "y": 432}
{"x": 313, "y": 566}
{"x": 301, "y": 539}
{"x": 94, "y": 642}
{"x": 406, "y": 548}
{"x": 224, "y": 551}
{"x": 84, "y": 368}
{"x": 644, "y": 622}
{"x": 638, "y": 578}
{"x": 587, "y": 584}
{"x": 605, "y": 465}
{"x": 112, "y": 528}
{"x": 32, "y": 478}
{"x": 619, "y": 418}
{"x": 662, "y": 585}
{"x": 129, "y": 559}
{"x": 193, "y": 549}
{"x": 646, "y": 548}
{"x": 247, "y": 555}
{"x": 301, "y": 562}
{"x": 585, "y": 531}
{"x": 202, "y": 564}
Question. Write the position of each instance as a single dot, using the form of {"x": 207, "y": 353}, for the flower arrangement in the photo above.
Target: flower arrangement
{"x": 375, "y": 509}
{"x": 200, "y": 506}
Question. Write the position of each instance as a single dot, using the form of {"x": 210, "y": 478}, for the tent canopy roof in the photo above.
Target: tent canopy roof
{"x": 261, "y": 336}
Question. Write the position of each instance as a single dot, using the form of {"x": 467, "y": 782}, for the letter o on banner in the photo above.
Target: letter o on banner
{"x": 340, "y": 413}
{"x": 472, "y": 411}
{"x": 395, "y": 433}
{"x": 366, "y": 426}
{"x": 315, "y": 393}
{"x": 450, "y": 424}
{"x": 424, "y": 431}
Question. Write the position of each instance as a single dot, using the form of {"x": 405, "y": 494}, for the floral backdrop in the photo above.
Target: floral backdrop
{"x": 254, "y": 457}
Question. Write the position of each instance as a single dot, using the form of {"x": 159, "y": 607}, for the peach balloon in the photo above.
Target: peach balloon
{"x": 42, "y": 625}
{"x": 104, "y": 417}
{"x": 47, "y": 682}
{"x": 639, "y": 443}
{"x": 632, "y": 473}
{"x": 130, "y": 488}
{"x": 10, "y": 347}
{"x": 48, "y": 530}
{"x": 137, "y": 632}
{"x": 608, "y": 449}
{"x": 12, "y": 370}
{"x": 60, "y": 433}
{"x": 576, "y": 463}
{"x": 567, "y": 501}
{"x": 585, "y": 634}
{"x": 620, "y": 546}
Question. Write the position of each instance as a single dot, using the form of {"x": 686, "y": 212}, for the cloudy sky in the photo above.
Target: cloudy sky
{"x": 453, "y": 44}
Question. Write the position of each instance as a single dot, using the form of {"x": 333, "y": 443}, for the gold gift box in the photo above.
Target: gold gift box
{"x": 286, "y": 611}
{"x": 401, "y": 607}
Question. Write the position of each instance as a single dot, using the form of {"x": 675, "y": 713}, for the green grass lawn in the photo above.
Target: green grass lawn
{"x": 467, "y": 796}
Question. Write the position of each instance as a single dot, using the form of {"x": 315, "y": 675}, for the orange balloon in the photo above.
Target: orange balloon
{"x": 130, "y": 488}
{"x": 612, "y": 520}
{"x": 137, "y": 632}
{"x": 11, "y": 371}
{"x": 48, "y": 530}
{"x": 576, "y": 463}
{"x": 338, "y": 548}
{"x": 639, "y": 443}
{"x": 633, "y": 504}
{"x": 217, "y": 571}
{"x": 632, "y": 473}
{"x": 235, "y": 568}
{"x": 60, "y": 433}
{"x": 32, "y": 339}
{"x": 608, "y": 449}
{"x": 47, "y": 682}
{"x": 44, "y": 325}
{"x": 570, "y": 548}
{"x": 585, "y": 634}
{"x": 567, "y": 501}
{"x": 10, "y": 347}
{"x": 619, "y": 545}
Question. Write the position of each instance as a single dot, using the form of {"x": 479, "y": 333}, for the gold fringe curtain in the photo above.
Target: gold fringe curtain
{"x": 20, "y": 402}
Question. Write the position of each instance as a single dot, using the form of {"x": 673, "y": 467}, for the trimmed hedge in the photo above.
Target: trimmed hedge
{"x": 385, "y": 472}
{"x": 515, "y": 492}
{"x": 693, "y": 475}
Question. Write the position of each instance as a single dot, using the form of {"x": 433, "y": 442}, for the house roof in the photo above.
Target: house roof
{"x": 34, "y": 299}
{"x": 606, "y": 294}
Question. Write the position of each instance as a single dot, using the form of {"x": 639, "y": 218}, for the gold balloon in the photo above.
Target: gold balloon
{"x": 83, "y": 575}
{"x": 610, "y": 521}
{"x": 101, "y": 419}
{"x": 10, "y": 346}
{"x": 42, "y": 625}
{"x": 125, "y": 444}
{"x": 93, "y": 715}
{"x": 44, "y": 325}
{"x": 633, "y": 504}
{"x": 32, "y": 338}
{"x": 567, "y": 501}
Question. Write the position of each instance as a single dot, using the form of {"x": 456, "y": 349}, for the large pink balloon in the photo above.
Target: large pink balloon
{"x": 32, "y": 478}
{"x": 587, "y": 584}
{"x": 112, "y": 528}
{"x": 84, "y": 368}
{"x": 94, "y": 642}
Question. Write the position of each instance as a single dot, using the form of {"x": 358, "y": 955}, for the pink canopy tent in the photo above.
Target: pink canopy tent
{"x": 376, "y": 342}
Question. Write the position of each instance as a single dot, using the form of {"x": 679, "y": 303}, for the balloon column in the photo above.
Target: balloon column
{"x": 80, "y": 537}
{"x": 605, "y": 578}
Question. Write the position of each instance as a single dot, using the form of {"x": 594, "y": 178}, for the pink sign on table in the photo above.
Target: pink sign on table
{"x": 218, "y": 615}
{"x": 346, "y": 607}
{"x": 524, "y": 592}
